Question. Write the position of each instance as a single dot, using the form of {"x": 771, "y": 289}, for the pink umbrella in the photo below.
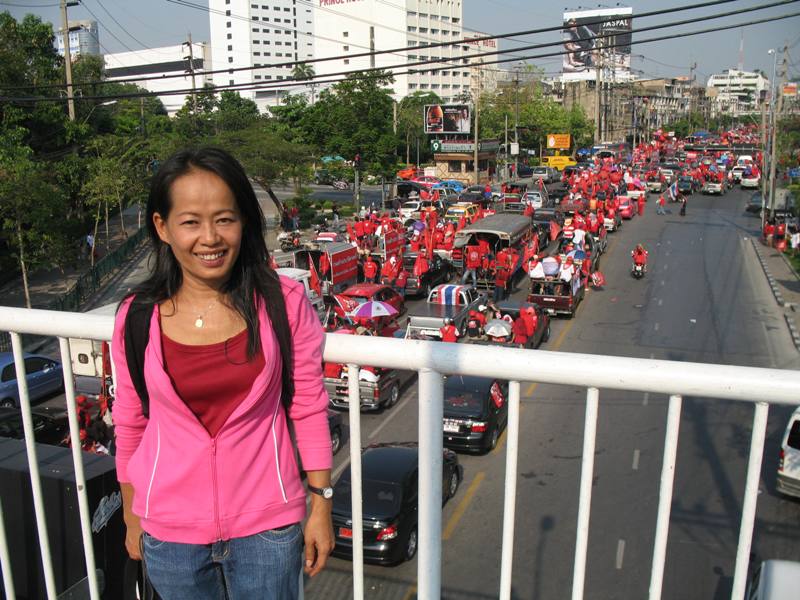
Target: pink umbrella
{"x": 374, "y": 308}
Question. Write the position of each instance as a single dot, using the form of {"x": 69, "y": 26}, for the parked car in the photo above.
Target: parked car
{"x": 43, "y": 374}
{"x": 754, "y": 204}
{"x": 713, "y": 187}
{"x": 686, "y": 185}
{"x": 50, "y": 424}
{"x": 439, "y": 271}
{"x": 545, "y": 174}
{"x": 789, "y": 458}
{"x": 751, "y": 182}
{"x": 454, "y": 184}
{"x": 389, "y": 477}
{"x": 736, "y": 174}
{"x": 426, "y": 180}
{"x": 475, "y": 412}
{"x": 537, "y": 198}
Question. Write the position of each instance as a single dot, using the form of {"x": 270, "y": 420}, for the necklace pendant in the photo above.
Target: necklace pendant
{"x": 198, "y": 322}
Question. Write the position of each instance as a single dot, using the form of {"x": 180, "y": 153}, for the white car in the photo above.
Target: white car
{"x": 752, "y": 182}
{"x": 535, "y": 198}
{"x": 713, "y": 187}
{"x": 736, "y": 174}
{"x": 789, "y": 465}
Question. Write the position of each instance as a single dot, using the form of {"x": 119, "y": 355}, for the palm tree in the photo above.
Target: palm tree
{"x": 305, "y": 72}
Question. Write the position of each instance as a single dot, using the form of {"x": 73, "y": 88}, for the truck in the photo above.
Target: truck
{"x": 91, "y": 360}
{"x": 304, "y": 277}
{"x": 378, "y": 387}
{"x": 557, "y": 297}
{"x": 337, "y": 271}
{"x": 446, "y": 301}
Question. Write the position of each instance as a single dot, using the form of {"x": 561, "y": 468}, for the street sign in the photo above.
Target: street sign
{"x": 789, "y": 90}
{"x": 514, "y": 148}
{"x": 561, "y": 141}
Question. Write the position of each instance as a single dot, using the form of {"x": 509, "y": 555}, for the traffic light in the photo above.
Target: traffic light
{"x": 357, "y": 162}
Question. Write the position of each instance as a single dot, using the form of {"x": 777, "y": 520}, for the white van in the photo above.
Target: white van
{"x": 789, "y": 465}
{"x": 775, "y": 580}
{"x": 304, "y": 276}
{"x": 744, "y": 160}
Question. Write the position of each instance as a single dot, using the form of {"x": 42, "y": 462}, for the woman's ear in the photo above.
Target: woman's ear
{"x": 161, "y": 227}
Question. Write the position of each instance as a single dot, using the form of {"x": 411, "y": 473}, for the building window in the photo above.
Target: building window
{"x": 412, "y": 86}
{"x": 279, "y": 77}
{"x": 454, "y": 166}
{"x": 345, "y": 34}
{"x": 257, "y": 77}
{"x": 411, "y": 28}
{"x": 230, "y": 36}
{"x": 423, "y": 30}
{"x": 227, "y": 13}
{"x": 267, "y": 53}
{"x": 254, "y": 18}
{"x": 346, "y": 48}
{"x": 256, "y": 53}
{"x": 265, "y": 31}
{"x": 230, "y": 48}
{"x": 279, "y": 54}
{"x": 230, "y": 82}
{"x": 347, "y": 61}
{"x": 230, "y": 59}
{"x": 228, "y": 24}
{"x": 256, "y": 41}
{"x": 254, "y": 6}
{"x": 287, "y": 21}
{"x": 279, "y": 43}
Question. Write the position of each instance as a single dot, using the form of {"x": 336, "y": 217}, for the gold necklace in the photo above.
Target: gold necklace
{"x": 198, "y": 322}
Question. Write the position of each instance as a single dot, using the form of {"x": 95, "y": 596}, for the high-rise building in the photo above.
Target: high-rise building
{"x": 738, "y": 92}
{"x": 251, "y": 37}
{"x": 83, "y": 39}
{"x": 361, "y": 26}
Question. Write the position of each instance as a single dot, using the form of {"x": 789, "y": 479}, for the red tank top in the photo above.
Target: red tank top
{"x": 212, "y": 379}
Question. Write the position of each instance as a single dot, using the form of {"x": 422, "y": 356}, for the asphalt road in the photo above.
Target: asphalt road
{"x": 704, "y": 298}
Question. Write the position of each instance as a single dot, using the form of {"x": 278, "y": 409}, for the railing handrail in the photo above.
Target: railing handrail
{"x": 750, "y": 384}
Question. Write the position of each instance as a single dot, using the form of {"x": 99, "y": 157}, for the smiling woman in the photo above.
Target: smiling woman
{"x": 231, "y": 359}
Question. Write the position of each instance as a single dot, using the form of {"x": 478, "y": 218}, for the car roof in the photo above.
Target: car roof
{"x": 7, "y": 358}
{"x": 389, "y": 462}
{"x": 363, "y": 289}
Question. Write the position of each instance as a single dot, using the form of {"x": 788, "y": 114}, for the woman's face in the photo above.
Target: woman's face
{"x": 204, "y": 227}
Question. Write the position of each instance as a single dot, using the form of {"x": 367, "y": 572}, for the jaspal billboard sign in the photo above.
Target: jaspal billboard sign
{"x": 446, "y": 118}
{"x": 586, "y": 51}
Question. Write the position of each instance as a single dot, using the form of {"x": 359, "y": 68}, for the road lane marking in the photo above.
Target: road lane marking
{"x": 646, "y": 398}
{"x": 620, "y": 552}
{"x": 410, "y": 593}
{"x": 656, "y": 326}
{"x": 635, "y": 465}
{"x": 452, "y": 523}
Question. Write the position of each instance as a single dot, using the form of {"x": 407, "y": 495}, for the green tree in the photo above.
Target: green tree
{"x": 194, "y": 121}
{"x": 234, "y": 112}
{"x": 410, "y": 122}
{"x": 305, "y": 72}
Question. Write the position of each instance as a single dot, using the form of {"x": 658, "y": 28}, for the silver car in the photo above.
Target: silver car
{"x": 546, "y": 174}
{"x": 44, "y": 376}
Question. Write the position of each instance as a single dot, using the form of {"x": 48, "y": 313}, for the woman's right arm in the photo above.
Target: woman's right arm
{"x": 129, "y": 426}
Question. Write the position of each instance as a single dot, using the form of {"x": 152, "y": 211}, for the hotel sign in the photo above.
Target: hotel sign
{"x": 440, "y": 146}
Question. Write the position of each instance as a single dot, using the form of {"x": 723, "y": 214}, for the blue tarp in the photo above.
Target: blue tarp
{"x": 327, "y": 159}
{"x": 701, "y": 134}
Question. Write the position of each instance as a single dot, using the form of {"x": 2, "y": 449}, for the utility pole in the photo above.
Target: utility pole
{"x": 190, "y": 58}
{"x": 598, "y": 83}
{"x": 774, "y": 158}
{"x": 505, "y": 170}
{"x": 372, "y": 47}
{"x": 477, "y": 96}
{"x": 141, "y": 117}
{"x": 63, "y": 4}
{"x": 764, "y": 154}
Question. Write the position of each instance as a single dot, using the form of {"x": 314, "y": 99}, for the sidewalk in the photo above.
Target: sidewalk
{"x": 785, "y": 284}
{"x": 47, "y": 284}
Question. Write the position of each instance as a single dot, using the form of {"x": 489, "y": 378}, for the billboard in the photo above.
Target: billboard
{"x": 585, "y": 52}
{"x": 560, "y": 141}
{"x": 446, "y": 118}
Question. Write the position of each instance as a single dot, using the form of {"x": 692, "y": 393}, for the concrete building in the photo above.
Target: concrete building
{"x": 738, "y": 92}
{"x": 168, "y": 60}
{"x": 83, "y": 39}
{"x": 255, "y": 38}
{"x": 359, "y": 26}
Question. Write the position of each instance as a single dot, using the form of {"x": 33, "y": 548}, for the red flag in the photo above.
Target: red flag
{"x": 541, "y": 185}
{"x": 314, "y": 282}
{"x": 554, "y": 230}
{"x": 351, "y": 232}
{"x": 597, "y": 279}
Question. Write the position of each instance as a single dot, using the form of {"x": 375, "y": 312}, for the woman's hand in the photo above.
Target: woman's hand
{"x": 318, "y": 535}
{"x": 133, "y": 537}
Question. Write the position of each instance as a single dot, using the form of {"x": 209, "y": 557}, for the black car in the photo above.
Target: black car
{"x": 475, "y": 412}
{"x": 50, "y": 424}
{"x": 389, "y": 476}
{"x": 686, "y": 185}
{"x": 439, "y": 271}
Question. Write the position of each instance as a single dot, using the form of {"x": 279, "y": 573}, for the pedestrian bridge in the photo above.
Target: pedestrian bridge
{"x": 757, "y": 386}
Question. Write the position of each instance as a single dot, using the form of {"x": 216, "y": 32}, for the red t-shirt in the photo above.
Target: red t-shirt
{"x": 212, "y": 379}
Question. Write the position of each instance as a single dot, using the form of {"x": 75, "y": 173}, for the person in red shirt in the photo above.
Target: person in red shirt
{"x": 420, "y": 264}
{"x": 359, "y": 228}
{"x": 639, "y": 255}
{"x": 472, "y": 262}
{"x": 400, "y": 282}
{"x": 370, "y": 270}
{"x": 449, "y": 332}
{"x": 640, "y": 203}
{"x": 390, "y": 271}
{"x": 519, "y": 331}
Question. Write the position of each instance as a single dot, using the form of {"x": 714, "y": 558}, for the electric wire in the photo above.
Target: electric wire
{"x": 451, "y": 43}
{"x": 337, "y": 76}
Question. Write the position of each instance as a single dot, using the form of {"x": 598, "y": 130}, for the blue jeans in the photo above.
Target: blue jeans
{"x": 469, "y": 274}
{"x": 262, "y": 566}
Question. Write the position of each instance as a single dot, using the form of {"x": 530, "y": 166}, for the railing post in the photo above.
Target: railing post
{"x": 354, "y": 412}
{"x": 585, "y": 493}
{"x": 750, "y": 498}
{"x": 33, "y": 466}
{"x": 665, "y": 496}
{"x": 80, "y": 478}
{"x": 510, "y": 499}
{"x": 431, "y": 411}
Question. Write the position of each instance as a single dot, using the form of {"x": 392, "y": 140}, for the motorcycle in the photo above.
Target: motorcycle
{"x": 637, "y": 271}
{"x": 289, "y": 240}
{"x": 340, "y": 185}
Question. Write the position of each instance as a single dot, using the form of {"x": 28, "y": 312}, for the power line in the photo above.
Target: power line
{"x": 337, "y": 76}
{"x": 123, "y": 28}
{"x": 30, "y": 5}
{"x": 441, "y": 44}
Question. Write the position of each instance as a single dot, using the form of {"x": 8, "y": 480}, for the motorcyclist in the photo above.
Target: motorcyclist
{"x": 639, "y": 255}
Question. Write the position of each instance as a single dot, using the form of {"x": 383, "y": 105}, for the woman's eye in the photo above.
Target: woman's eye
{"x": 189, "y": 222}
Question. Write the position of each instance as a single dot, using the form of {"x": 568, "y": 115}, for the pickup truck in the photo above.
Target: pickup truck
{"x": 511, "y": 310}
{"x": 378, "y": 387}
{"x": 557, "y": 297}
{"x": 444, "y": 302}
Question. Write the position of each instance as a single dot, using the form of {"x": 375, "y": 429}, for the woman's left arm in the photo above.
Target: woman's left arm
{"x": 319, "y": 527}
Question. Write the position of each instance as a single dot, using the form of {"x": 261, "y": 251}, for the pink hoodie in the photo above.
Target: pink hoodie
{"x": 195, "y": 489}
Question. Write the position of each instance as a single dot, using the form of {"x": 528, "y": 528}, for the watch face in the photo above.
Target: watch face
{"x": 327, "y": 493}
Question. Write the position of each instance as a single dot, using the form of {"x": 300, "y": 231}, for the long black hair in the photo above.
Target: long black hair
{"x": 252, "y": 279}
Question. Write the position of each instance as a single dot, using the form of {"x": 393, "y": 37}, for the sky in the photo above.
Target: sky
{"x": 126, "y": 25}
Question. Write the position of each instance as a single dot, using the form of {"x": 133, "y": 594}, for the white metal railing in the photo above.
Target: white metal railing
{"x": 431, "y": 360}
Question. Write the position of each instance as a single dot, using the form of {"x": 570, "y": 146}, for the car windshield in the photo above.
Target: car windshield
{"x": 540, "y": 171}
{"x": 411, "y": 205}
{"x": 381, "y": 498}
{"x": 463, "y": 397}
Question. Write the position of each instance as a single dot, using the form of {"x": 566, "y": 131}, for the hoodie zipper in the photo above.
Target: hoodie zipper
{"x": 215, "y": 486}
